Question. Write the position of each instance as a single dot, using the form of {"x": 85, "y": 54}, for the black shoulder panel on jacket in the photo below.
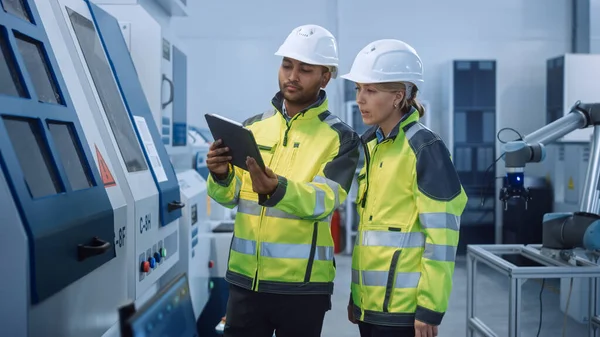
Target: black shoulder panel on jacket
{"x": 436, "y": 175}
{"x": 259, "y": 117}
{"x": 252, "y": 120}
{"x": 342, "y": 168}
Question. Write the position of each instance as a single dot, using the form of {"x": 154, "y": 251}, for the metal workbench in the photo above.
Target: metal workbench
{"x": 490, "y": 255}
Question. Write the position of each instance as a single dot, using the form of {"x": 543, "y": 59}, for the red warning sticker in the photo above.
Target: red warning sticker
{"x": 107, "y": 177}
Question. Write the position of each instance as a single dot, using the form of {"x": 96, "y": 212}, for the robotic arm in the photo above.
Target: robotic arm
{"x": 531, "y": 149}
{"x": 561, "y": 230}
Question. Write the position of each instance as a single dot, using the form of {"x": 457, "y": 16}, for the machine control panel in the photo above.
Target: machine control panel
{"x": 154, "y": 257}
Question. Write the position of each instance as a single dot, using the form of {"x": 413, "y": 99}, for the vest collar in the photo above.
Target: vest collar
{"x": 371, "y": 133}
{"x": 312, "y": 111}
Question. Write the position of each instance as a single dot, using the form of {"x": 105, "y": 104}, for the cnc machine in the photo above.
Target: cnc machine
{"x": 130, "y": 161}
{"x": 62, "y": 210}
{"x": 161, "y": 65}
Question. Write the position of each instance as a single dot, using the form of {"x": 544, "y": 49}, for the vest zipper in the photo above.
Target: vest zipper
{"x": 367, "y": 163}
{"x": 258, "y": 246}
{"x": 362, "y": 214}
{"x": 367, "y": 176}
{"x": 274, "y": 160}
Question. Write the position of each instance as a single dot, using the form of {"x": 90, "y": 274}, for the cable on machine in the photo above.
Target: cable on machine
{"x": 564, "y": 329}
{"x": 487, "y": 171}
{"x": 541, "y": 308}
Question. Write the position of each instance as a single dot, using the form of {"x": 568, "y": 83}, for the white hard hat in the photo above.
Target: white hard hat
{"x": 311, "y": 44}
{"x": 387, "y": 61}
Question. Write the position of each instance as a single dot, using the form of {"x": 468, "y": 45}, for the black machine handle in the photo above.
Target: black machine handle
{"x": 96, "y": 247}
{"x": 175, "y": 205}
{"x": 171, "y": 88}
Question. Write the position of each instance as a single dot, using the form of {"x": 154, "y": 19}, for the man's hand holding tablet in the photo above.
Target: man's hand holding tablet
{"x": 263, "y": 182}
{"x": 217, "y": 160}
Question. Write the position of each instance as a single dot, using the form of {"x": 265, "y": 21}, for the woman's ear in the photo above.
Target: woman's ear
{"x": 400, "y": 95}
{"x": 399, "y": 98}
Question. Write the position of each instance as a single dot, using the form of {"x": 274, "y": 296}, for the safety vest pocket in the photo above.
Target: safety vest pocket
{"x": 267, "y": 149}
{"x": 390, "y": 285}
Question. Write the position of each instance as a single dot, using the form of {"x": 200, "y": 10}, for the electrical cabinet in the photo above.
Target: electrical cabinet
{"x": 472, "y": 141}
{"x": 570, "y": 78}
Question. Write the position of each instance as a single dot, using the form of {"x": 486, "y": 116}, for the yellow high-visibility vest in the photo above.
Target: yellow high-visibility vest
{"x": 282, "y": 243}
{"x": 410, "y": 200}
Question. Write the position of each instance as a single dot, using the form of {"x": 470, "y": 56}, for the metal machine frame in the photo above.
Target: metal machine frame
{"x": 552, "y": 268}
{"x": 517, "y": 154}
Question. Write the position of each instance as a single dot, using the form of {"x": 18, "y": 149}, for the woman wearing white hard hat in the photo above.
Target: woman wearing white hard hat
{"x": 409, "y": 201}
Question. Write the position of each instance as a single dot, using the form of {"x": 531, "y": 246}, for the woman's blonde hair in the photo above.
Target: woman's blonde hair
{"x": 407, "y": 102}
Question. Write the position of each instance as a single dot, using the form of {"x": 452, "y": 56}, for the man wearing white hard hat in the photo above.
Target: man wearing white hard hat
{"x": 409, "y": 202}
{"x": 281, "y": 265}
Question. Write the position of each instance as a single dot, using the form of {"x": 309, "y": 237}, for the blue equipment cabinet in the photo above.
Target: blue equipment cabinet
{"x": 180, "y": 127}
{"x": 137, "y": 105}
{"x": 474, "y": 146}
{"x": 46, "y": 159}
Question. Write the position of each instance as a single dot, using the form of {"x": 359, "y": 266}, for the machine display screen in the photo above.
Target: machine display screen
{"x": 70, "y": 155}
{"x": 168, "y": 314}
{"x": 108, "y": 92}
{"x": 10, "y": 83}
{"x": 35, "y": 62}
{"x": 33, "y": 156}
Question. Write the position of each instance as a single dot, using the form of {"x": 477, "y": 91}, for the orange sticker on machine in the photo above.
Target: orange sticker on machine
{"x": 107, "y": 177}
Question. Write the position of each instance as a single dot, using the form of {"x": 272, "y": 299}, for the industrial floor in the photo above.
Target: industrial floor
{"x": 491, "y": 305}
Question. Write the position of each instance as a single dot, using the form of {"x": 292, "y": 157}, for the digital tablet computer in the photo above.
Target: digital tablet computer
{"x": 237, "y": 138}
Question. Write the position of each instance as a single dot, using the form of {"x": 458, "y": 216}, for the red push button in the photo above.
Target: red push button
{"x": 145, "y": 266}
{"x": 211, "y": 264}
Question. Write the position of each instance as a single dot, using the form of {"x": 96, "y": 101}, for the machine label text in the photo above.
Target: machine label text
{"x": 120, "y": 238}
{"x": 145, "y": 223}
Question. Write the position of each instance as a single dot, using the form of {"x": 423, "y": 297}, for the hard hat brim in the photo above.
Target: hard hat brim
{"x": 368, "y": 80}
{"x": 304, "y": 59}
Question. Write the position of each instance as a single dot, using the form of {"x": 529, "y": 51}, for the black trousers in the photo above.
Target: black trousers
{"x": 253, "y": 314}
{"x": 371, "y": 330}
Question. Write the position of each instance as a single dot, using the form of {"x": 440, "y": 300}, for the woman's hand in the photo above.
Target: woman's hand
{"x": 425, "y": 330}
{"x": 351, "y": 312}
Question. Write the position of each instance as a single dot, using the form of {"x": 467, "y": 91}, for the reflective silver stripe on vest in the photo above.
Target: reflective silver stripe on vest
{"x": 249, "y": 207}
{"x": 236, "y": 196}
{"x": 439, "y": 252}
{"x": 335, "y": 188}
{"x": 277, "y": 213}
{"x": 412, "y": 131}
{"x": 319, "y": 209}
{"x": 294, "y": 251}
{"x": 393, "y": 239}
{"x": 243, "y": 246}
{"x": 253, "y": 208}
{"x": 281, "y": 250}
{"x": 379, "y": 278}
{"x": 440, "y": 220}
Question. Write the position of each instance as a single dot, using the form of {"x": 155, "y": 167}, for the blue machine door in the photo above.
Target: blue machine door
{"x": 133, "y": 95}
{"x": 180, "y": 98}
{"x": 46, "y": 159}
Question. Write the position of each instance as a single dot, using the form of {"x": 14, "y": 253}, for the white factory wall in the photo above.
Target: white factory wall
{"x": 594, "y": 26}
{"x": 231, "y": 46}
{"x": 233, "y": 70}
